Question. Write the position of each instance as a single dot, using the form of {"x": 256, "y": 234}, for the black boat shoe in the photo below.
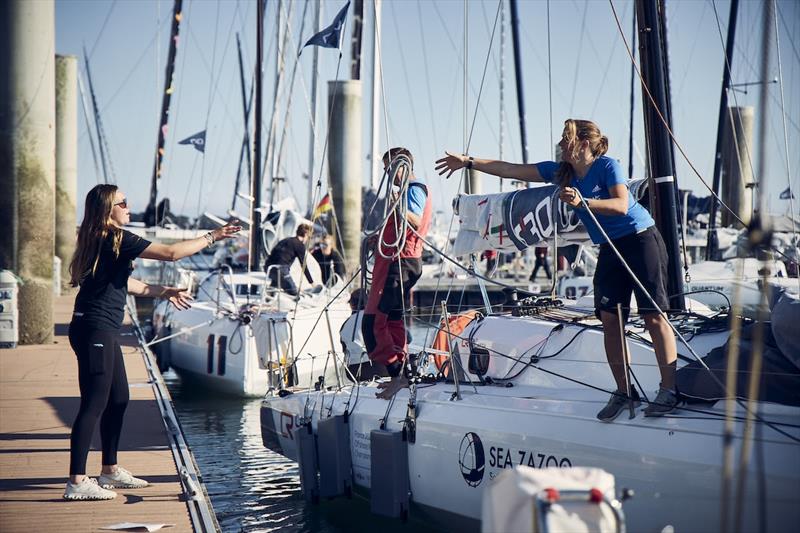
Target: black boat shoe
{"x": 618, "y": 402}
{"x": 665, "y": 403}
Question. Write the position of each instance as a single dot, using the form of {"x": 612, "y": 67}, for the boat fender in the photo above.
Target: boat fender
{"x": 335, "y": 460}
{"x": 389, "y": 476}
{"x": 307, "y": 461}
{"x": 457, "y": 324}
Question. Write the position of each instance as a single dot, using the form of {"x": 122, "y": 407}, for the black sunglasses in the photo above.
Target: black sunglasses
{"x": 123, "y": 204}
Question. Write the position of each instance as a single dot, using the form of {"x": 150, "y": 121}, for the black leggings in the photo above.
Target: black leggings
{"x": 104, "y": 393}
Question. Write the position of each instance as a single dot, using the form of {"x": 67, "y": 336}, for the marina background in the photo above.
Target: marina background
{"x": 423, "y": 55}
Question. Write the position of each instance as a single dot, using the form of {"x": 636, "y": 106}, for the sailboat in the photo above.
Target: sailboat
{"x": 523, "y": 388}
{"x": 242, "y": 336}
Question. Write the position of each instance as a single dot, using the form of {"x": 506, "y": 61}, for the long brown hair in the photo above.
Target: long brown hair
{"x": 95, "y": 229}
{"x": 576, "y": 131}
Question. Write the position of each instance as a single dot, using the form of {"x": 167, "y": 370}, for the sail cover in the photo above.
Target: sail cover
{"x": 518, "y": 219}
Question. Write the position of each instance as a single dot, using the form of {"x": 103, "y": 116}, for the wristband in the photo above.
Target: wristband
{"x": 470, "y": 162}
{"x": 210, "y": 238}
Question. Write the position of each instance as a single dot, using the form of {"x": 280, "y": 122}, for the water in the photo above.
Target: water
{"x": 253, "y": 488}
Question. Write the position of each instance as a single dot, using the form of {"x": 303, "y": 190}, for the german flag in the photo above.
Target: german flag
{"x": 323, "y": 206}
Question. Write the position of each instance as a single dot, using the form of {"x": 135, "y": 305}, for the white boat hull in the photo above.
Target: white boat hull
{"x": 673, "y": 463}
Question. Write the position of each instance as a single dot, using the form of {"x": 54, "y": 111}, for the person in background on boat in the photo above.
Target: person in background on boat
{"x": 282, "y": 257}
{"x": 395, "y": 273}
{"x": 329, "y": 259}
{"x": 540, "y": 253}
{"x": 586, "y": 171}
{"x": 101, "y": 266}
{"x": 491, "y": 262}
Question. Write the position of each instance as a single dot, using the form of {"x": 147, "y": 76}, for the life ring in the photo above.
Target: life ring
{"x": 457, "y": 324}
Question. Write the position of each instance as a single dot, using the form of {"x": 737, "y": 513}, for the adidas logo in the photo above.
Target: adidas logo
{"x": 596, "y": 189}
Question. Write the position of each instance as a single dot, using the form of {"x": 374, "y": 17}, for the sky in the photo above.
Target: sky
{"x": 574, "y": 65}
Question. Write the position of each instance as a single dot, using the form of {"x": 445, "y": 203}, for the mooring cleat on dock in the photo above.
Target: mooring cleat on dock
{"x": 88, "y": 489}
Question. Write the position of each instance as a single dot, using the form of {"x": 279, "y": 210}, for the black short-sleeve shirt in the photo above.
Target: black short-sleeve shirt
{"x": 101, "y": 299}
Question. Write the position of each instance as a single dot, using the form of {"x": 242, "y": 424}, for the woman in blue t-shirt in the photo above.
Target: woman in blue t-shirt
{"x": 101, "y": 266}
{"x": 585, "y": 171}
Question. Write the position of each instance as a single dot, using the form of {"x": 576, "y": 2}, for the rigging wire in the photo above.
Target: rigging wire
{"x": 786, "y": 139}
{"x": 666, "y": 125}
{"x": 287, "y": 111}
{"x": 468, "y": 141}
{"x": 575, "y": 74}
{"x": 550, "y": 85}
{"x": 532, "y": 363}
{"x": 208, "y": 109}
{"x": 103, "y": 27}
{"x": 318, "y": 187}
{"x": 406, "y": 80}
{"x": 660, "y": 311}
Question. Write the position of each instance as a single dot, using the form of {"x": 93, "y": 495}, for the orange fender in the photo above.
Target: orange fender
{"x": 457, "y": 323}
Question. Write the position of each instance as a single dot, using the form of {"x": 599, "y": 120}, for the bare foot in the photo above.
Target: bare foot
{"x": 390, "y": 388}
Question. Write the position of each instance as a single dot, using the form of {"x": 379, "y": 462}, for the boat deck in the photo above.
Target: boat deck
{"x": 39, "y": 398}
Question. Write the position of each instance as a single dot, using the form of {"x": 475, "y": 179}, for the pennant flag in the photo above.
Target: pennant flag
{"x": 787, "y": 194}
{"x": 198, "y": 140}
{"x": 323, "y": 206}
{"x": 331, "y": 36}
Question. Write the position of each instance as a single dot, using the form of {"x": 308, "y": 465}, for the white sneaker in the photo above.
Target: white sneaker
{"x": 121, "y": 479}
{"x": 88, "y": 489}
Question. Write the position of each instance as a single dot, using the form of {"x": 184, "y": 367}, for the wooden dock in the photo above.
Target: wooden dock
{"x": 39, "y": 398}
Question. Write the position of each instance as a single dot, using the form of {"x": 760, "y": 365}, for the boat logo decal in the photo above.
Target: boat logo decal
{"x": 287, "y": 425}
{"x": 471, "y": 459}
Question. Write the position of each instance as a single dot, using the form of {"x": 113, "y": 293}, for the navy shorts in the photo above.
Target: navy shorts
{"x": 646, "y": 256}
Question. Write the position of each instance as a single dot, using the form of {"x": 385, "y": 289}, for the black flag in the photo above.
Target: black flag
{"x": 331, "y": 36}
{"x": 198, "y": 140}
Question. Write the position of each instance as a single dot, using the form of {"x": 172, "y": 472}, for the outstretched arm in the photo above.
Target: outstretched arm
{"x": 177, "y": 297}
{"x": 503, "y": 169}
{"x": 179, "y": 250}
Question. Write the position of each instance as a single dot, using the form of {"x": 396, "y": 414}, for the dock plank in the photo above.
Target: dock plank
{"x": 39, "y": 398}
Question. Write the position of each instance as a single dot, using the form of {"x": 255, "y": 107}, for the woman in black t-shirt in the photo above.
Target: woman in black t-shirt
{"x": 101, "y": 266}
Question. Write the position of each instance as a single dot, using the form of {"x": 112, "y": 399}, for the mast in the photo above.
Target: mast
{"x": 375, "y": 134}
{"x": 502, "y": 82}
{"x": 355, "y": 48}
{"x": 280, "y": 53}
{"x": 254, "y": 255}
{"x": 97, "y": 121}
{"x": 288, "y": 109}
{"x": 632, "y": 100}
{"x": 312, "y": 135}
{"x": 150, "y": 212}
{"x": 523, "y": 134}
{"x": 659, "y": 141}
{"x": 246, "y": 103}
{"x": 712, "y": 245}
{"x": 89, "y": 129}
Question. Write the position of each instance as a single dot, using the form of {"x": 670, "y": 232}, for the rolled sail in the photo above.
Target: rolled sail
{"x": 518, "y": 219}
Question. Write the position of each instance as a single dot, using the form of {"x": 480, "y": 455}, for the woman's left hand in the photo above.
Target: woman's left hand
{"x": 177, "y": 297}
{"x": 570, "y": 196}
{"x": 228, "y": 230}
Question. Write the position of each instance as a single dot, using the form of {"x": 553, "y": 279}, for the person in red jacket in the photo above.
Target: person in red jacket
{"x": 395, "y": 273}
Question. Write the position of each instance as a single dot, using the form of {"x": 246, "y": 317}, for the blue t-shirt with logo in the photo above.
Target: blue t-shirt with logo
{"x": 603, "y": 174}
